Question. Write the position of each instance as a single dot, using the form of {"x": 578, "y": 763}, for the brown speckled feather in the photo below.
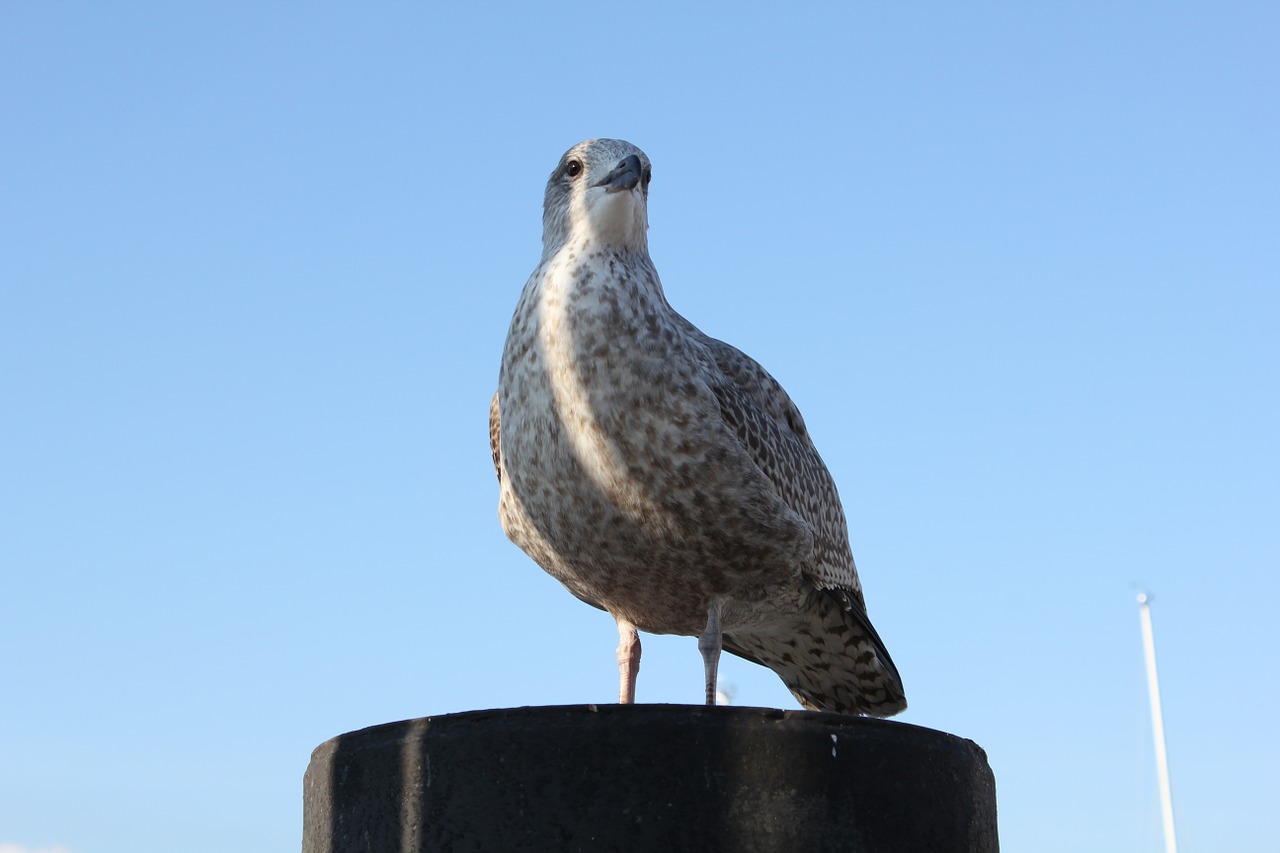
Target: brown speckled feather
{"x": 495, "y": 430}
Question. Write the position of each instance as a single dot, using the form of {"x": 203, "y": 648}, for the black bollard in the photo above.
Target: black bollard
{"x": 648, "y": 778}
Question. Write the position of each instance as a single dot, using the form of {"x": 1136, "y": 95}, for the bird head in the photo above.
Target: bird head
{"x": 598, "y": 193}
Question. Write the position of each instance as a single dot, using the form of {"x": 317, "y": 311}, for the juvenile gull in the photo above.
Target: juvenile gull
{"x": 663, "y": 475}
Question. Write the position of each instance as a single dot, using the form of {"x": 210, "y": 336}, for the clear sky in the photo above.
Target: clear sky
{"x": 1018, "y": 264}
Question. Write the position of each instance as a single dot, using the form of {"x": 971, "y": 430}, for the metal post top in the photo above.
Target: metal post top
{"x": 649, "y": 777}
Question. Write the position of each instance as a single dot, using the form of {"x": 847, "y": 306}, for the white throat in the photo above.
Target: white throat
{"x": 619, "y": 219}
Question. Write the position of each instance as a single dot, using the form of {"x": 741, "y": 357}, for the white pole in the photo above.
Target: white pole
{"x": 1157, "y": 724}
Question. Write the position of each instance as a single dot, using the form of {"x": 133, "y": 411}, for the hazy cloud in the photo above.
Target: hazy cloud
{"x": 6, "y": 847}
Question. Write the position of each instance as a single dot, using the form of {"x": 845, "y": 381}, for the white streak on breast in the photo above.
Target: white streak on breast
{"x": 596, "y": 453}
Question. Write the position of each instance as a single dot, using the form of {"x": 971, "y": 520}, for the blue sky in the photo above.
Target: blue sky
{"x": 1016, "y": 263}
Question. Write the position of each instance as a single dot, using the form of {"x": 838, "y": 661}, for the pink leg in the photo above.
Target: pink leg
{"x": 628, "y": 660}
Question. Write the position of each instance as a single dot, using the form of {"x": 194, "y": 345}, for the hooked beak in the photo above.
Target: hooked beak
{"x": 626, "y": 176}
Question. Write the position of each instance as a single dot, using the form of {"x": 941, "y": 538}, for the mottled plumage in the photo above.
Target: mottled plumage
{"x": 663, "y": 475}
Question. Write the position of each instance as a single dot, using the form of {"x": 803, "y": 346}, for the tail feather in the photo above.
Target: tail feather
{"x": 829, "y": 656}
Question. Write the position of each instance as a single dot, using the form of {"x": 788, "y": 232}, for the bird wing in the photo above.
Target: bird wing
{"x": 773, "y": 434}
{"x": 828, "y": 654}
{"x": 495, "y": 435}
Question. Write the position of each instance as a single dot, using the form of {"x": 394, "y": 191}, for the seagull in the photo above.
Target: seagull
{"x": 662, "y": 475}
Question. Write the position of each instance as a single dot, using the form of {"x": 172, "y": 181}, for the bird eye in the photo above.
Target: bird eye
{"x": 574, "y": 168}
{"x": 648, "y": 176}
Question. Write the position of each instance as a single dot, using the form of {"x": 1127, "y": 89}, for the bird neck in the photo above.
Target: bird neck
{"x": 610, "y": 277}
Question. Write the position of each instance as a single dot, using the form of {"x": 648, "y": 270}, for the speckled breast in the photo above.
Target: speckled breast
{"x": 618, "y": 475}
